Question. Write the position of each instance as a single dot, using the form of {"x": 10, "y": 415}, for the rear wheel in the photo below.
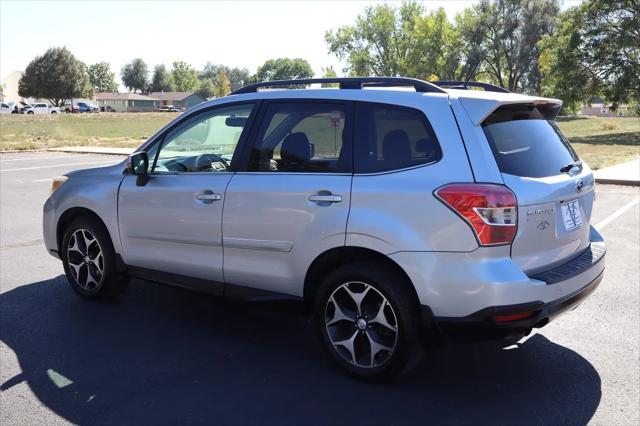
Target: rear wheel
{"x": 89, "y": 259}
{"x": 368, "y": 320}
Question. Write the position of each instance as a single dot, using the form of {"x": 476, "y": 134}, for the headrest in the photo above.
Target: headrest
{"x": 296, "y": 148}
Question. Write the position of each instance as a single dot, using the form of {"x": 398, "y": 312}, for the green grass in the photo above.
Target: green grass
{"x": 603, "y": 141}
{"x": 19, "y": 132}
{"x": 598, "y": 140}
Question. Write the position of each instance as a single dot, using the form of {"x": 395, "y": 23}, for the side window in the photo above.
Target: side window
{"x": 204, "y": 143}
{"x": 393, "y": 137}
{"x": 303, "y": 137}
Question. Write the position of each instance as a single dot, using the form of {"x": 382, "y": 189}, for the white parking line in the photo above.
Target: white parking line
{"x": 40, "y": 158}
{"x": 41, "y": 180}
{"x": 613, "y": 216}
{"x": 56, "y": 165}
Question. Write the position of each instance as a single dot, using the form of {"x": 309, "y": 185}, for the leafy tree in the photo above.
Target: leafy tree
{"x": 101, "y": 78}
{"x": 595, "y": 52}
{"x": 206, "y": 88}
{"x": 329, "y": 72}
{"x": 185, "y": 77}
{"x": 135, "y": 75}
{"x": 238, "y": 77}
{"x": 161, "y": 80}
{"x": 399, "y": 41}
{"x": 437, "y": 52}
{"x": 508, "y": 32}
{"x": 379, "y": 41}
{"x": 223, "y": 84}
{"x": 57, "y": 75}
{"x": 283, "y": 69}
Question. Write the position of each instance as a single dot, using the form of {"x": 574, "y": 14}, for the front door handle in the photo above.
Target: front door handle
{"x": 324, "y": 198}
{"x": 207, "y": 197}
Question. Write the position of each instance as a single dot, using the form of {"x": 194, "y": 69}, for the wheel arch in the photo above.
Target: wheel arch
{"x": 339, "y": 256}
{"x": 69, "y": 216}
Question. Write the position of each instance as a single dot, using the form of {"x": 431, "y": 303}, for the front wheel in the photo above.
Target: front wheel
{"x": 368, "y": 320}
{"x": 89, "y": 259}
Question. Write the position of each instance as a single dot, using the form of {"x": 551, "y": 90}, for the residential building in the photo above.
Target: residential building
{"x": 182, "y": 100}
{"x": 125, "y": 102}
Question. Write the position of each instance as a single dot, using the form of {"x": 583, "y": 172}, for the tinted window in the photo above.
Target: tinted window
{"x": 392, "y": 137}
{"x": 302, "y": 137}
{"x": 525, "y": 144}
{"x": 204, "y": 143}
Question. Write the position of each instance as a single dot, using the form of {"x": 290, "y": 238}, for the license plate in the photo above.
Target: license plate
{"x": 571, "y": 215}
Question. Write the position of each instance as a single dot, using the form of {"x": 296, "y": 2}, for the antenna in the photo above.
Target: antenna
{"x": 473, "y": 70}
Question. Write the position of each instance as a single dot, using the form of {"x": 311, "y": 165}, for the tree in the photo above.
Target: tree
{"x": 399, "y": 41}
{"x": 283, "y": 69}
{"x": 329, "y": 72}
{"x": 135, "y": 75}
{"x": 101, "y": 78}
{"x": 206, "y": 89}
{"x": 161, "y": 80}
{"x": 185, "y": 77}
{"x": 595, "y": 52}
{"x": 223, "y": 85}
{"x": 508, "y": 32}
{"x": 238, "y": 77}
{"x": 57, "y": 75}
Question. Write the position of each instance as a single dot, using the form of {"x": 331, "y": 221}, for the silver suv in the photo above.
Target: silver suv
{"x": 399, "y": 210}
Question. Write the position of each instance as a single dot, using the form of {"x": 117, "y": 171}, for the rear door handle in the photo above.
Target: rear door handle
{"x": 330, "y": 198}
{"x": 207, "y": 197}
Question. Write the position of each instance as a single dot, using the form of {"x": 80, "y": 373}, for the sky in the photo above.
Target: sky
{"x": 237, "y": 33}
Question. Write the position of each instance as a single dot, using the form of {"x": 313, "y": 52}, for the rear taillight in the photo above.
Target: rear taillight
{"x": 491, "y": 210}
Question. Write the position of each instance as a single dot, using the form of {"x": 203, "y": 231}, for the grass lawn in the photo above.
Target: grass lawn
{"x": 603, "y": 141}
{"x": 18, "y": 132}
{"x": 600, "y": 141}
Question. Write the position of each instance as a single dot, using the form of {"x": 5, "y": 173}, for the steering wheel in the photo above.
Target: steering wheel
{"x": 204, "y": 162}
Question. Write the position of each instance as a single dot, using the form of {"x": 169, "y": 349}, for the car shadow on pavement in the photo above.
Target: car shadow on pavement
{"x": 160, "y": 355}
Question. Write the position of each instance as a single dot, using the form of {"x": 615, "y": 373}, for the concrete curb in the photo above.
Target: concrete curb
{"x": 94, "y": 150}
{"x": 624, "y": 182}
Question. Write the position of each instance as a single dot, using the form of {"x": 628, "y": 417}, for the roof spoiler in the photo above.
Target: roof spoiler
{"x": 478, "y": 108}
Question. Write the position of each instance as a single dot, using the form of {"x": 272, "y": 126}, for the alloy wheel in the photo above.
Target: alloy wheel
{"x": 85, "y": 260}
{"x": 361, "y": 324}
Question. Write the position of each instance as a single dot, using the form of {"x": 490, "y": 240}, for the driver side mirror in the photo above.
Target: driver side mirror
{"x": 138, "y": 164}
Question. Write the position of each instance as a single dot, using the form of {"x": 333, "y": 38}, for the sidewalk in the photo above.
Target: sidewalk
{"x": 621, "y": 174}
{"x": 94, "y": 150}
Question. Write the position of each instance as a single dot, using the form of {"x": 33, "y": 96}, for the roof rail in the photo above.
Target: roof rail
{"x": 464, "y": 85}
{"x": 347, "y": 83}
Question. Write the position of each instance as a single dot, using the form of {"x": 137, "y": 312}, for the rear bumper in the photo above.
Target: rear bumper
{"x": 493, "y": 321}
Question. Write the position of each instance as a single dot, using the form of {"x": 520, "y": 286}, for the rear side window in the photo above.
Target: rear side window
{"x": 303, "y": 137}
{"x": 525, "y": 143}
{"x": 392, "y": 137}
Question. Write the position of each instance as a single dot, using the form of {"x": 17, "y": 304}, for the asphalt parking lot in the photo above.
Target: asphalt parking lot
{"x": 160, "y": 355}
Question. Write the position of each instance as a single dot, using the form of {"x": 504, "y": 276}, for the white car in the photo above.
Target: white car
{"x": 5, "y": 108}
{"x": 40, "y": 108}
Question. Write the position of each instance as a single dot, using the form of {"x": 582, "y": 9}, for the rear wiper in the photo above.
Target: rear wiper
{"x": 568, "y": 167}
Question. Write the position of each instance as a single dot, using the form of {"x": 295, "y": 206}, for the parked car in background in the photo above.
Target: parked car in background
{"x": 6, "y": 108}
{"x": 397, "y": 216}
{"x": 169, "y": 108}
{"x": 80, "y": 107}
{"x": 39, "y": 108}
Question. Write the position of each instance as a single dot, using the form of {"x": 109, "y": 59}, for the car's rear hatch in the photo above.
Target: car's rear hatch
{"x": 555, "y": 192}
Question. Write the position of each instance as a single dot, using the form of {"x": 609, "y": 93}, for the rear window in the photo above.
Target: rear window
{"x": 393, "y": 137}
{"x": 525, "y": 143}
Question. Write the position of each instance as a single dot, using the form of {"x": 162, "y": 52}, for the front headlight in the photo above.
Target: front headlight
{"x": 57, "y": 183}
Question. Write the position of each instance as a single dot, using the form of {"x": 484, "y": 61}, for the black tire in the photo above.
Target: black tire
{"x": 110, "y": 282}
{"x": 408, "y": 350}
{"x": 30, "y": 112}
